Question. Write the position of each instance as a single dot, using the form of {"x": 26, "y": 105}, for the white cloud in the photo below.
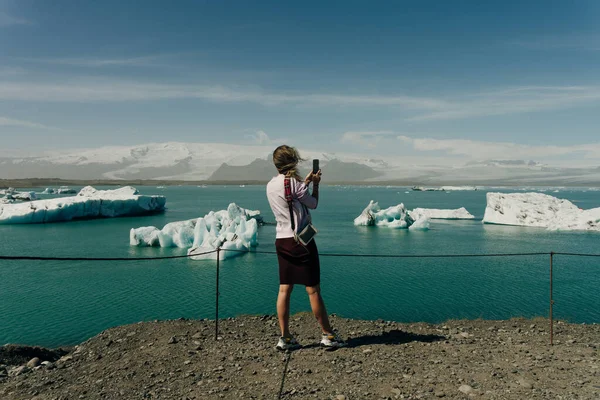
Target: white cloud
{"x": 259, "y": 137}
{"x": 482, "y": 150}
{"x": 4, "y": 121}
{"x": 585, "y": 42}
{"x": 514, "y": 101}
{"x": 366, "y": 138}
{"x": 8, "y": 20}
{"x": 115, "y": 91}
{"x": 94, "y": 62}
{"x": 11, "y": 71}
{"x": 506, "y": 101}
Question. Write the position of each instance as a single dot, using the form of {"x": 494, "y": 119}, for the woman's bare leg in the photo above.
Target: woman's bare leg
{"x": 283, "y": 308}
{"x": 318, "y": 307}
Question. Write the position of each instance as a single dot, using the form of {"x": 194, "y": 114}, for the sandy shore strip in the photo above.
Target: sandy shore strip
{"x": 180, "y": 359}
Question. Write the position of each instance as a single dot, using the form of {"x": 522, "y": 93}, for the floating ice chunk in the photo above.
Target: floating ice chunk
{"x": 234, "y": 230}
{"x": 433, "y": 213}
{"x": 89, "y": 203}
{"x": 89, "y": 191}
{"x": 393, "y": 217}
{"x": 66, "y": 190}
{"x": 49, "y": 191}
{"x": 458, "y": 188}
{"x": 421, "y": 223}
{"x": 144, "y": 236}
{"x": 443, "y": 188}
{"x": 177, "y": 234}
{"x": 12, "y": 194}
{"x": 539, "y": 210}
{"x": 24, "y": 196}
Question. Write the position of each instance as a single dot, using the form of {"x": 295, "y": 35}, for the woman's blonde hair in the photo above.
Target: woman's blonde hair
{"x": 286, "y": 159}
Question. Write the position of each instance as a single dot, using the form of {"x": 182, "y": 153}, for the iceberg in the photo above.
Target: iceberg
{"x": 233, "y": 229}
{"x": 89, "y": 203}
{"x": 458, "y": 188}
{"x": 434, "y": 213}
{"x": 66, "y": 190}
{"x": 444, "y": 188}
{"x": 10, "y": 195}
{"x": 24, "y": 196}
{"x": 174, "y": 234}
{"x": 144, "y": 236}
{"x": 392, "y": 217}
{"x": 420, "y": 224}
{"x": 539, "y": 210}
{"x": 60, "y": 190}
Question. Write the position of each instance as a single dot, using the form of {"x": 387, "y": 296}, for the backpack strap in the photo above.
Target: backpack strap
{"x": 288, "y": 198}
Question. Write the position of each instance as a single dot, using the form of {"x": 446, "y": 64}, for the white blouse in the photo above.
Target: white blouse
{"x": 302, "y": 201}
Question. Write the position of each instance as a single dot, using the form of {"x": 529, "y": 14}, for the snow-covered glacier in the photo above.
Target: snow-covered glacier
{"x": 539, "y": 210}
{"x": 87, "y": 204}
{"x": 233, "y": 229}
{"x": 434, "y": 213}
{"x": 392, "y": 217}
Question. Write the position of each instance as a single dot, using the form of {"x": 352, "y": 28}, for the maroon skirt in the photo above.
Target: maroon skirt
{"x": 298, "y": 264}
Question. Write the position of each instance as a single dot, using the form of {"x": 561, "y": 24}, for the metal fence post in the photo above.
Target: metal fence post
{"x": 551, "y": 301}
{"x": 217, "y": 297}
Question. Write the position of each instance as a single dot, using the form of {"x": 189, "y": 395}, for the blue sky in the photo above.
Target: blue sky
{"x": 465, "y": 79}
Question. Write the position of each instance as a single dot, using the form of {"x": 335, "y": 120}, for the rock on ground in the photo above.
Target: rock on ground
{"x": 456, "y": 360}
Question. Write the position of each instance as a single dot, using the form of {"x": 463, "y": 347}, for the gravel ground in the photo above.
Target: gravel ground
{"x": 182, "y": 360}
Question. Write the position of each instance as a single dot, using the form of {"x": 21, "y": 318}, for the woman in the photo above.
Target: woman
{"x": 298, "y": 264}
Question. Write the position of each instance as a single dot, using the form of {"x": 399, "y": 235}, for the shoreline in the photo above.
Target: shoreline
{"x": 57, "y": 182}
{"x": 458, "y": 359}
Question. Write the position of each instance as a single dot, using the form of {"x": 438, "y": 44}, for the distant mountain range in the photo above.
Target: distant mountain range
{"x": 334, "y": 170}
{"x": 239, "y": 163}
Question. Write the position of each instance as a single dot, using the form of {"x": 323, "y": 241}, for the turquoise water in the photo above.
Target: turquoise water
{"x": 62, "y": 303}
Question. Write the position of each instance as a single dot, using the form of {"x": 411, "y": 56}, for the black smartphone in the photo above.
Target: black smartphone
{"x": 315, "y": 166}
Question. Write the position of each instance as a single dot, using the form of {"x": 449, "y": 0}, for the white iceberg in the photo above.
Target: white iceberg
{"x": 13, "y": 194}
{"x": 233, "y": 229}
{"x": 420, "y": 224}
{"x": 66, "y": 190}
{"x": 49, "y": 191}
{"x": 434, "y": 213}
{"x": 444, "y": 188}
{"x": 539, "y": 210}
{"x": 144, "y": 236}
{"x": 89, "y": 203}
{"x": 24, "y": 196}
{"x": 458, "y": 188}
{"x": 392, "y": 217}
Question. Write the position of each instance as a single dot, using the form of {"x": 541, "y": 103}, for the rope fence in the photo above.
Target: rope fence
{"x": 218, "y": 251}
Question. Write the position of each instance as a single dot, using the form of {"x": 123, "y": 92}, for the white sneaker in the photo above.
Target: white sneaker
{"x": 332, "y": 341}
{"x": 288, "y": 343}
